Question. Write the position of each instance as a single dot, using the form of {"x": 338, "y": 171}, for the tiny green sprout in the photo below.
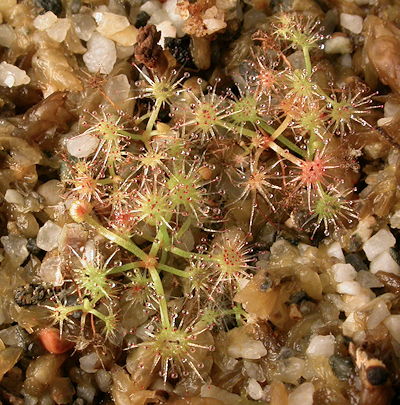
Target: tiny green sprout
{"x": 327, "y": 207}
{"x": 211, "y": 316}
{"x": 162, "y": 89}
{"x": 85, "y": 180}
{"x": 60, "y": 313}
{"x": 92, "y": 278}
{"x": 300, "y": 31}
{"x": 267, "y": 77}
{"x": 256, "y": 181}
{"x": 312, "y": 122}
{"x": 140, "y": 287}
{"x": 153, "y": 206}
{"x": 214, "y": 316}
{"x": 150, "y": 160}
{"x": 206, "y": 114}
{"x": 199, "y": 282}
{"x": 178, "y": 349}
{"x": 245, "y": 110}
{"x": 187, "y": 191}
{"x": 346, "y": 108}
{"x": 230, "y": 256}
{"x": 312, "y": 174}
{"x": 300, "y": 85}
{"x": 110, "y": 325}
{"x": 107, "y": 128}
{"x": 109, "y": 319}
{"x": 183, "y": 189}
{"x": 205, "y": 117}
{"x": 332, "y": 210}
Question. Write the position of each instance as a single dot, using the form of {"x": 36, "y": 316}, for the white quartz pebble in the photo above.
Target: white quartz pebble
{"x": 51, "y": 271}
{"x": 335, "y": 250}
{"x": 302, "y": 395}
{"x": 349, "y": 287}
{"x": 338, "y": 44}
{"x": 101, "y": 54}
{"x": 12, "y": 76}
{"x": 84, "y": 26}
{"x": 378, "y": 243}
{"x": 44, "y": 21}
{"x": 343, "y": 272}
{"x": 321, "y": 346}
{"x": 392, "y": 322}
{"x": 379, "y": 313}
{"x": 82, "y": 145}
{"x": 384, "y": 262}
{"x": 248, "y": 349}
{"x": 254, "y": 389}
{"x": 110, "y": 23}
{"x": 47, "y": 237}
{"x": 16, "y": 248}
{"x": 352, "y": 22}
{"x": 58, "y": 31}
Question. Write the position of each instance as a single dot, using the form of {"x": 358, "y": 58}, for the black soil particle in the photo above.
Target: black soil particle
{"x": 180, "y": 50}
{"x": 341, "y": 366}
{"x": 33, "y": 247}
{"x": 377, "y": 375}
{"x": 141, "y": 19}
{"x": 51, "y": 5}
{"x": 29, "y": 294}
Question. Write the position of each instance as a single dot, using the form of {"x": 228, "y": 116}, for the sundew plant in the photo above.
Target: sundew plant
{"x": 175, "y": 193}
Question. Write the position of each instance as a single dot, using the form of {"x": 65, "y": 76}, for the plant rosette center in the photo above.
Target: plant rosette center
{"x": 205, "y": 116}
{"x": 184, "y": 191}
{"x": 245, "y": 110}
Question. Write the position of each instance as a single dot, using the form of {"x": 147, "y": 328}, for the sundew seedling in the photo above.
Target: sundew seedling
{"x": 185, "y": 193}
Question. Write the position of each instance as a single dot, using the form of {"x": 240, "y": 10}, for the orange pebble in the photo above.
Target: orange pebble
{"x": 50, "y": 338}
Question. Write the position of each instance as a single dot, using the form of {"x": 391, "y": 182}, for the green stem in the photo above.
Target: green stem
{"x": 129, "y": 135}
{"x": 162, "y": 240}
{"x": 166, "y": 241}
{"x": 184, "y": 228}
{"x": 125, "y": 267}
{"x": 71, "y": 309}
{"x": 307, "y": 60}
{"x": 163, "y": 256}
{"x": 97, "y": 314}
{"x": 158, "y": 286}
{"x": 284, "y": 153}
{"x": 284, "y": 124}
{"x": 119, "y": 240}
{"x": 266, "y": 127}
{"x": 293, "y": 147}
{"x": 323, "y": 94}
{"x": 156, "y": 243}
{"x": 189, "y": 255}
{"x": 142, "y": 118}
{"x": 274, "y": 146}
{"x": 173, "y": 270}
{"x": 314, "y": 143}
{"x": 180, "y": 252}
{"x": 245, "y": 131}
{"x": 105, "y": 181}
{"x": 110, "y": 164}
{"x": 153, "y": 117}
{"x": 111, "y": 168}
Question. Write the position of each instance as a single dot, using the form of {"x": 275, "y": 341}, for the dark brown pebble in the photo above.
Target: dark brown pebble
{"x": 377, "y": 375}
{"x": 390, "y": 281}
